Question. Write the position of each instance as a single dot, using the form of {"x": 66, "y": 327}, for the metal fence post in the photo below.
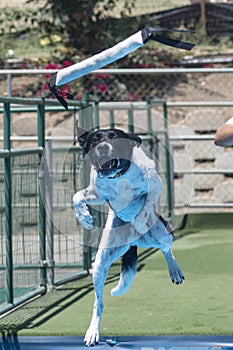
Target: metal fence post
{"x": 86, "y": 122}
{"x": 9, "y": 84}
{"x": 130, "y": 119}
{"x": 41, "y": 190}
{"x": 49, "y": 212}
{"x": 41, "y": 124}
{"x": 149, "y": 122}
{"x": 8, "y": 204}
{"x": 96, "y": 115}
{"x": 168, "y": 164}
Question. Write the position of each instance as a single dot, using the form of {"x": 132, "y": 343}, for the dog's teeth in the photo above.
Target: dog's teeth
{"x": 112, "y": 163}
{"x": 118, "y": 162}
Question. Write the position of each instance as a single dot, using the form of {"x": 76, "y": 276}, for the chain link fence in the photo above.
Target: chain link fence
{"x": 203, "y": 168}
{"x": 134, "y": 85}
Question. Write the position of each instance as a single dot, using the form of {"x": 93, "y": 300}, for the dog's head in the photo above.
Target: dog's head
{"x": 109, "y": 150}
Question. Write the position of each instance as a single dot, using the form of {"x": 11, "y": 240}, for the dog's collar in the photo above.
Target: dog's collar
{"x": 120, "y": 172}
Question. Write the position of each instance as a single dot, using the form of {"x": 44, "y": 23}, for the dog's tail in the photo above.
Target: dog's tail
{"x": 128, "y": 271}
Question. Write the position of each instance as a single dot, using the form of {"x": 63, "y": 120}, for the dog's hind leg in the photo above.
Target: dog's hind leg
{"x": 161, "y": 236}
{"x": 128, "y": 271}
{"x": 175, "y": 272}
{"x": 107, "y": 253}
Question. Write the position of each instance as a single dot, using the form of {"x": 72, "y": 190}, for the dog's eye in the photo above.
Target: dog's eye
{"x": 95, "y": 139}
{"x": 111, "y": 135}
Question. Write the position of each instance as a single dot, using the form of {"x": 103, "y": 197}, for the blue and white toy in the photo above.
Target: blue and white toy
{"x": 116, "y": 52}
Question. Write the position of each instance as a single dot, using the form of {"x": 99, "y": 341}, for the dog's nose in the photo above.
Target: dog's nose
{"x": 103, "y": 148}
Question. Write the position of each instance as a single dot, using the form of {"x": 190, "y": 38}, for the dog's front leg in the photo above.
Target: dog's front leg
{"x": 103, "y": 260}
{"x": 81, "y": 200}
{"x": 108, "y": 251}
{"x": 81, "y": 210}
{"x": 99, "y": 276}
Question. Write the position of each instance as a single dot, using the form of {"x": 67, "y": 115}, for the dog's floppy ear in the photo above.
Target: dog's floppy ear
{"x": 82, "y": 135}
{"x": 137, "y": 140}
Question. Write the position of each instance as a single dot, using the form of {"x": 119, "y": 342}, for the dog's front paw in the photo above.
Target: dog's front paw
{"x": 92, "y": 336}
{"x": 84, "y": 217}
{"x": 86, "y": 220}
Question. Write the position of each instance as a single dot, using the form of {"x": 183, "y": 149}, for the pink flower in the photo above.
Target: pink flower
{"x": 103, "y": 88}
{"x": 66, "y": 88}
{"x": 45, "y": 87}
{"x": 51, "y": 66}
{"x": 66, "y": 64}
{"x": 100, "y": 76}
{"x": 133, "y": 97}
{"x": 95, "y": 88}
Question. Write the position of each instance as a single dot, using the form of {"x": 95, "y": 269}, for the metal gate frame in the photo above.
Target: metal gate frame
{"x": 40, "y": 106}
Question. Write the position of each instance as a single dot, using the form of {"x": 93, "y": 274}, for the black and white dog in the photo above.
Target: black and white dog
{"x": 123, "y": 176}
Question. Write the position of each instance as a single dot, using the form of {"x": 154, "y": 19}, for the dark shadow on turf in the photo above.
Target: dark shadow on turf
{"x": 48, "y": 306}
{"x": 23, "y": 317}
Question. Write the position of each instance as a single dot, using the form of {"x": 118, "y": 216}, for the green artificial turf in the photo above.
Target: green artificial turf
{"x": 202, "y": 305}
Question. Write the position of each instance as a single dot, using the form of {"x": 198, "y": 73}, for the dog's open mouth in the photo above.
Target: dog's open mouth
{"x": 111, "y": 164}
{"x": 111, "y": 167}
{"x": 106, "y": 168}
